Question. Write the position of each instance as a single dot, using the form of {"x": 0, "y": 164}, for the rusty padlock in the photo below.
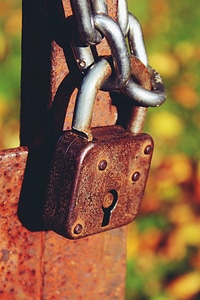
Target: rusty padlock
{"x": 98, "y": 175}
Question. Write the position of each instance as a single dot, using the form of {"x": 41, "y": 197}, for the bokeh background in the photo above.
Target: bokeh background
{"x": 10, "y": 60}
{"x": 163, "y": 259}
{"x": 164, "y": 242}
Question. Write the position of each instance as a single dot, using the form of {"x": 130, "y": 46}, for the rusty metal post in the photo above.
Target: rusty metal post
{"x": 36, "y": 264}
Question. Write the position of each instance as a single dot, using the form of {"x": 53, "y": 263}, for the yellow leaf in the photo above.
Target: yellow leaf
{"x": 185, "y": 51}
{"x": 10, "y": 135}
{"x": 132, "y": 241}
{"x": 165, "y": 63}
{"x": 180, "y": 168}
{"x": 165, "y": 124}
{"x": 185, "y": 286}
{"x": 190, "y": 233}
{"x": 181, "y": 214}
{"x": 185, "y": 235}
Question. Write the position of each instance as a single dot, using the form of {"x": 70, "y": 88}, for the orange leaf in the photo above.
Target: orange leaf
{"x": 186, "y": 95}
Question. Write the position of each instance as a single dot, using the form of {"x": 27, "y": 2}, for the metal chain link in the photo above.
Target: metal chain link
{"x": 91, "y": 32}
{"x": 93, "y": 24}
{"x": 82, "y": 11}
{"x": 99, "y": 6}
{"x": 122, "y": 16}
{"x": 115, "y": 38}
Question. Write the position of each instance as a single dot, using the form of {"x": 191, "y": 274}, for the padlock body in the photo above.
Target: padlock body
{"x": 97, "y": 186}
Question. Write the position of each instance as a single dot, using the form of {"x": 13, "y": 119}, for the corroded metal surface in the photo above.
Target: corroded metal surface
{"x": 42, "y": 265}
{"x": 137, "y": 114}
{"x": 46, "y": 266}
{"x": 50, "y": 89}
{"x": 91, "y": 268}
{"x": 20, "y": 250}
{"x": 99, "y": 185}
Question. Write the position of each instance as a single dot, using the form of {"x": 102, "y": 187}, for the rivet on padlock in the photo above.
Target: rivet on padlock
{"x": 98, "y": 175}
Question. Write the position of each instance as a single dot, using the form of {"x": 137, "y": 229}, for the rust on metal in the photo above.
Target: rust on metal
{"x": 43, "y": 265}
{"x": 20, "y": 250}
{"x": 78, "y": 190}
{"x": 138, "y": 114}
{"x": 38, "y": 265}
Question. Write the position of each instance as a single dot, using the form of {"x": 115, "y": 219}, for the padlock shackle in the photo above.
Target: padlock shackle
{"x": 91, "y": 84}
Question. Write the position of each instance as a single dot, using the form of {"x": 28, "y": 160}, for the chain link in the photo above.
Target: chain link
{"x": 122, "y": 16}
{"x": 99, "y": 6}
{"x": 93, "y": 25}
{"x": 145, "y": 97}
{"x": 136, "y": 40}
{"x": 115, "y": 38}
{"x": 83, "y": 54}
{"x": 82, "y": 11}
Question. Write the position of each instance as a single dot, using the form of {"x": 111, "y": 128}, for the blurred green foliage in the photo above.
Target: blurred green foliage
{"x": 163, "y": 259}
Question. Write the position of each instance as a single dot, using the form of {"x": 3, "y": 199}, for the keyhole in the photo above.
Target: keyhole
{"x": 109, "y": 203}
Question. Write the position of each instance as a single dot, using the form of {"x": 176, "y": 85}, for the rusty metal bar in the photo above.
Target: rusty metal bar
{"x": 20, "y": 251}
{"x": 36, "y": 264}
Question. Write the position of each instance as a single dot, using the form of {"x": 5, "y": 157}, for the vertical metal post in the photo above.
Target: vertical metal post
{"x": 91, "y": 268}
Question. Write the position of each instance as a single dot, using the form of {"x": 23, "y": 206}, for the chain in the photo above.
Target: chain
{"x": 93, "y": 24}
{"x": 122, "y": 16}
{"x": 82, "y": 11}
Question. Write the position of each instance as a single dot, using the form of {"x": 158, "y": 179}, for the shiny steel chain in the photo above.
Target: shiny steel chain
{"x": 93, "y": 24}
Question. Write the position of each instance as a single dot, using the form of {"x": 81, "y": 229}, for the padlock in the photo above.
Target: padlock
{"x": 98, "y": 175}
